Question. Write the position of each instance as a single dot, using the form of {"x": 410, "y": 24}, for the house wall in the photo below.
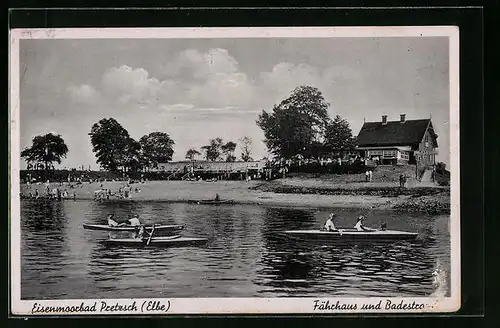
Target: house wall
{"x": 427, "y": 154}
{"x": 388, "y": 155}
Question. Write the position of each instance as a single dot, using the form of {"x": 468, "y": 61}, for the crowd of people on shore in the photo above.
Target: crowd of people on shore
{"x": 36, "y": 188}
{"x": 123, "y": 192}
{"x": 56, "y": 193}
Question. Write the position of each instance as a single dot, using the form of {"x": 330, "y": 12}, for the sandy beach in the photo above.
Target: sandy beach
{"x": 253, "y": 192}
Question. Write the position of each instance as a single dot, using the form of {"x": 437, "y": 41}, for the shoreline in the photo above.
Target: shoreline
{"x": 268, "y": 203}
{"x": 288, "y": 194}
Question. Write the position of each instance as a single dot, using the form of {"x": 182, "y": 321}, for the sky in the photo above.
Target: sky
{"x": 198, "y": 89}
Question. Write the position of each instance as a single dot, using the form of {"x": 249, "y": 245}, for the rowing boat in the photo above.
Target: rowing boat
{"x": 171, "y": 241}
{"x": 211, "y": 202}
{"x": 350, "y": 235}
{"x": 159, "y": 228}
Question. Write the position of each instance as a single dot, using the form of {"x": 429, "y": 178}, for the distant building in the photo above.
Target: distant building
{"x": 399, "y": 142}
{"x": 210, "y": 167}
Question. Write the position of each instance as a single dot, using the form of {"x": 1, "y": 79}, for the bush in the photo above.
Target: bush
{"x": 441, "y": 175}
{"x": 440, "y": 167}
{"x": 332, "y": 168}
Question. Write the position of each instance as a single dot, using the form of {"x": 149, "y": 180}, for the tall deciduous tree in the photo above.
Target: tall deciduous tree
{"x": 213, "y": 150}
{"x": 228, "y": 150}
{"x": 134, "y": 159}
{"x": 246, "y": 149}
{"x": 338, "y": 137}
{"x": 191, "y": 154}
{"x": 112, "y": 144}
{"x": 45, "y": 150}
{"x": 156, "y": 147}
{"x": 297, "y": 124}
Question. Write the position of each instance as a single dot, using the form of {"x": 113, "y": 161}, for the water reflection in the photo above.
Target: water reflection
{"x": 400, "y": 268}
{"x": 245, "y": 256}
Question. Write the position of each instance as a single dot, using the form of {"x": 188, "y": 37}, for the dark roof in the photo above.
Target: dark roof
{"x": 395, "y": 133}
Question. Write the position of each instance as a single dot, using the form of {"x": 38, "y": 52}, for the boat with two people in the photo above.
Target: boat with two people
{"x": 131, "y": 225}
{"x": 330, "y": 233}
{"x": 134, "y": 233}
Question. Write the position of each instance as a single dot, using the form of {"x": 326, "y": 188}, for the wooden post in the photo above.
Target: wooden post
{"x": 416, "y": 169}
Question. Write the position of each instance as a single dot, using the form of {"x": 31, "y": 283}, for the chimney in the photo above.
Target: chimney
{"x": 384, "y": 119}
{"x": 403, "y": 119}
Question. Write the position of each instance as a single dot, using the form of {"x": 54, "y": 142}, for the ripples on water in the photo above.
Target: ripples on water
{"x": 245, "y": 255}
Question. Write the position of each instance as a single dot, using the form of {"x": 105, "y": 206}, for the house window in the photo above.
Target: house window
{"x": 390, "y": 153}
{"x": 405, "y": 155}
{"x": 375, "y": 153}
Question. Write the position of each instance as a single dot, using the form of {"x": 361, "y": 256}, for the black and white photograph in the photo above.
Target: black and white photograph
{"x": 234, "y": 170}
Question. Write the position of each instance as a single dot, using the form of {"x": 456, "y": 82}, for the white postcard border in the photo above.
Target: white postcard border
{"x": 309, "y": 305}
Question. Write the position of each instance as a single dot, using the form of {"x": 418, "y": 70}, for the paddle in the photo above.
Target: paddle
{"x": 151, "y": 235}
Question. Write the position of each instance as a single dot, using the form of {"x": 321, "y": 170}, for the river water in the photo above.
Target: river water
{"x": 244, "y": 257}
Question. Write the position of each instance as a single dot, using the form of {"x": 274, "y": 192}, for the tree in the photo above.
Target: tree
{"x": 297, "y": 124}
{"x": 134, "y": 159}
{"x": 45, "y": 150}
{"x": 338, "y": 137}
{"x": 156, "y": 147}
{"x": 441, "y": 167}
{"x": 213, "y": 149}
{"x": 246, "y": 149}
{"x": 228, "y": 151}
{"x": 191, "y": 154}
{"x": 114, "y": 147}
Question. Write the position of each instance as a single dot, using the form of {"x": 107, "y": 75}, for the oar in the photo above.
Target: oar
{"x": 151, "y": 235}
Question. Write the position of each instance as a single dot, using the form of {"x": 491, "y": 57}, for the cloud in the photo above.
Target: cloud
{"x": 177, "y": 107}
{"x": 222, "y": 90}
{"x": 127, "y": 84}
{"x": 83, "y": 94}
{"x": 209, "y": 79}
{"x": 196, "y": 81}
{"x": 200, "y": 65}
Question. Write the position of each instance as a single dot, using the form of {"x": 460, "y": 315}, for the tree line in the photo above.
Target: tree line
{"x": 218, "y": 150}
{"x": 116, "y": 150}
{"x": 298, "y": 125}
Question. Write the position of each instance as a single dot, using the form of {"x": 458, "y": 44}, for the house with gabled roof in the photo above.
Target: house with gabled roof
{"x": 399, "y": 142}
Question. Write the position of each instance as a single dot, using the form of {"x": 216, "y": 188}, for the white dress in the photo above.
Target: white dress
{"x": 134, "y": 222}
{"x": 329, "y": 225}
{"x": 359, "y": 226}
{"x": 112, "y": 223}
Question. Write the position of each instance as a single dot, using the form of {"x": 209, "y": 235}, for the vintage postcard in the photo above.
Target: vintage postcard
{"x": 234, "y": 171}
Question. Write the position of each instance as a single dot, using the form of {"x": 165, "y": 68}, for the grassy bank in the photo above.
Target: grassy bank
{"x": 415, "y": 198}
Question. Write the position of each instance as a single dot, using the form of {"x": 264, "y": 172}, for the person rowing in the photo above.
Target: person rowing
{"x": 133, "y": 222}
{"x": 329, "y": 225}
{"x": 383, "y": 226}
{"x": 112, "y": 222}
{"x": 359, "y": 224}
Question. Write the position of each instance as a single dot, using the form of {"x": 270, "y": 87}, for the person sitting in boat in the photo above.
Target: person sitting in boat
{"x": 359, "y": 224}
{"x": 111, "y": 221}
{"x": 329, "y": 225}
{"x": 383, "y": 226}
{"x": 217, "y": 198}
{"x": 134, "y": 221}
